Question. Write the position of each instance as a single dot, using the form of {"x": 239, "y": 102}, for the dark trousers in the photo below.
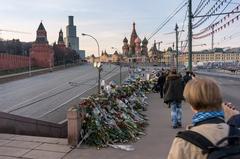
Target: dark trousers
{"x": 161, "y": 91}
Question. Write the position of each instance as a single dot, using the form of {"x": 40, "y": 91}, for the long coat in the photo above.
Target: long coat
{"x": 173, "y": 89}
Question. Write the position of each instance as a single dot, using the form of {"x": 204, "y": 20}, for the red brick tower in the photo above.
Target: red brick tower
{"x": 42, "y": 53}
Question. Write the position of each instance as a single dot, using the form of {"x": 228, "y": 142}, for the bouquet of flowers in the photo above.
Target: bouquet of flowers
{"x": 116, "y": 116}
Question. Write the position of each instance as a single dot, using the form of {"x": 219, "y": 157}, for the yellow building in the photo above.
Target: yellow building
{"x": 218, "y": 55}
{"x": 168, "y": 57}
{"x": 116, "y": 57}
{"x": 209, "y": 56}
{"x": 106, "y": 58}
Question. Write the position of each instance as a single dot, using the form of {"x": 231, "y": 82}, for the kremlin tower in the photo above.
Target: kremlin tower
{"x": 42, "y": 53}
{"x": 60, "y": 40}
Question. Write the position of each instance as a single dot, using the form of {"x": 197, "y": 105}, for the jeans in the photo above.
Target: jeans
{"x": 176, "y": 113}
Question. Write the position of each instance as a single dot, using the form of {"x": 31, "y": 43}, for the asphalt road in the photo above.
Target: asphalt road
{"x": 33, "y": 97}
{"x": 230, "y": 90}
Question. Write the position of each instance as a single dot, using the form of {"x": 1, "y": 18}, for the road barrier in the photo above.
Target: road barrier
{"x": 221, "y": 75}
{"x": 12, "y": 77}
{"x": 14, "y": 124}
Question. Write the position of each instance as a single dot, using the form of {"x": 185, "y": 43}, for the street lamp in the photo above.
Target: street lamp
{"x": 120, "y": 64}
{"x": 97, "y": 65}
{"x": 177, "y": 33}
{"x": 29, "y": 65}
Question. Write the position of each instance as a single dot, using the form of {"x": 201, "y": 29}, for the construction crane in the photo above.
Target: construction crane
{"x": 13, "y": 31}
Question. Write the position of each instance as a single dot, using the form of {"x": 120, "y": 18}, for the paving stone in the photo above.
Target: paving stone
{"x": 63, "y": 141}
{"x": 12, "y": 152}
{"x": 37, "y": 139}
{"x": 23, "y": 144}
{"x": 5, "y": 157}
{"x": 54, "y": 147}
{"x": 2, "y": 142}
{"x": 46, "y": 140}
{"x": 38, "y": 154}
{"x": 6, "y": 136}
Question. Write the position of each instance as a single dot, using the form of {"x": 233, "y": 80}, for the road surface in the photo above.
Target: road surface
{"x": 230, "y": 89}
{"x": 36, "y": 96}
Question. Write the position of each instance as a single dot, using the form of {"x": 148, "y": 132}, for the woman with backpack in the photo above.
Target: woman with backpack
{"x": 208, "y": 125}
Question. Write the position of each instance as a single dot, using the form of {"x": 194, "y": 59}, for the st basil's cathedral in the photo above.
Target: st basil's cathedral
{"x": 136, "y": 50}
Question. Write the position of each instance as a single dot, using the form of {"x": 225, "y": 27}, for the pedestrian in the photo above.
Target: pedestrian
{"x": 173, "y": 95}
{"x": 160, "y": 83}
{"x": 193, "y": 76}
{"x": 187, "y": 78}
{"x": 205, "y": 99}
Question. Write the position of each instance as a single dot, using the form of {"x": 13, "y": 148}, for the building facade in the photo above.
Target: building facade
{"x": 205, "y": 56}
{"x": 106, "y": 58}
{"x": 42, "y": 53}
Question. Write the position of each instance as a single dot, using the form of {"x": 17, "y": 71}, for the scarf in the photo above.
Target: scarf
{"x": 201, "y": 116}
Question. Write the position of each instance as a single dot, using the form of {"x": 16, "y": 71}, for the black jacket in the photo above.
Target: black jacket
{"x": 161, "y": 80}
{"x": 173, "y": 89}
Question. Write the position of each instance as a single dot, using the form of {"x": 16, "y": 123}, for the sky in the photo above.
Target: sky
{"x": 109, "y": 21}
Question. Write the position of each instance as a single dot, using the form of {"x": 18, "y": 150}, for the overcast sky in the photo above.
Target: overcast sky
{"x": 109, "y": 21}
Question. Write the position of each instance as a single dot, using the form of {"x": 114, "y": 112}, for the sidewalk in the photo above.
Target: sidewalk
{"x": 155, "y": 145}
{"x": 30, "y": 147}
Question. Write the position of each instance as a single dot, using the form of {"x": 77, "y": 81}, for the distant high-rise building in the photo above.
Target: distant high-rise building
{"x": 71, "y": 40}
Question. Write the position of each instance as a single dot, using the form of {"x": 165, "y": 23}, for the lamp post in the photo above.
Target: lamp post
{"x": 120, "y": 64}
{"x": 96, "y": 65}
{"x": 177, "y": 33}
{"x": 29, "y": 65}
{"x": 190, "y": 17}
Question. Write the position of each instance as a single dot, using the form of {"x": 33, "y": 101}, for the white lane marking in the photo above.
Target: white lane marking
{"x": 46, "y": 92}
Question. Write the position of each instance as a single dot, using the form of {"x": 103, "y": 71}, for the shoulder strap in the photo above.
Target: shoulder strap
{"x": 197, "y": 140}
{"x": 234, "y": 131}
{"x": 233, "y": 136}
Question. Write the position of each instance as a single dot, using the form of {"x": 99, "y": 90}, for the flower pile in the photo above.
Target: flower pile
{"x": 115, "y": 116}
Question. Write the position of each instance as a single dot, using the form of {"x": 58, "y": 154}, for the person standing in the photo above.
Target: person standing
{"x": 173, "y": 95}
{"x": 160, "y": 83}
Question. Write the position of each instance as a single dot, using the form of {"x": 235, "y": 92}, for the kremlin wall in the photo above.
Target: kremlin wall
{"x": 43, "y": 55}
